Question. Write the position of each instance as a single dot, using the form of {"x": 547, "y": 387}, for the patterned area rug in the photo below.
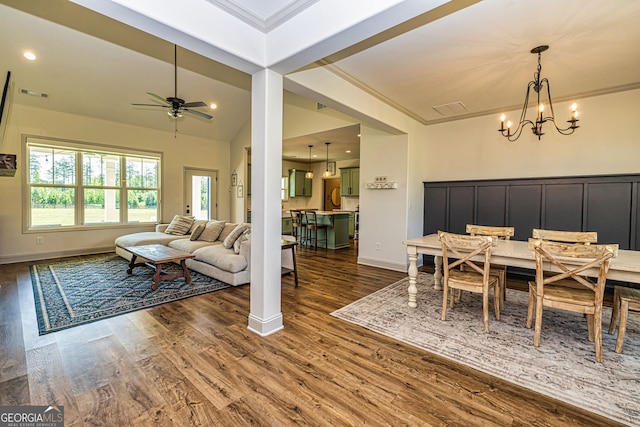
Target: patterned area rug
{"x": 563, "y": 367}
{"x": 83, "y": 290}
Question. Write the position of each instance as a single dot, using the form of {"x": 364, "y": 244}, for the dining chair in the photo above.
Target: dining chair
{"x": 584, "y": 237}
{"x": 475, "y": 278}
{"x": 297, "y": 226}
{"x": 312, "y": 227}
{"x": 560, "y": 263}
{"x": 500, "y": 233}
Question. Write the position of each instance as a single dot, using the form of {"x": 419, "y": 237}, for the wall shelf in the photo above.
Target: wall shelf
{"x": 381, "y": 185}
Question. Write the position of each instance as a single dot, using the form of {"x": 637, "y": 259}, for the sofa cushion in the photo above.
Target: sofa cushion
{"x": 188, "y": 245}
{"x": 222, "y": 258}
{"x": 180, "y": 225}
{"x": 147, "y": 238}
{"x": 212, "y": 231}
{"x": 197, "y": 231}
{"x": 233, "y": 236}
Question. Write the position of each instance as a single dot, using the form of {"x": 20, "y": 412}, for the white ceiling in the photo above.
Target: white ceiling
{"x": 477, "y": 54}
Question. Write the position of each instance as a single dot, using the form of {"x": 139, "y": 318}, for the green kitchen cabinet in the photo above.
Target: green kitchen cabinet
{"x": 349, "y": 182}
{"x": 299, "y": 186}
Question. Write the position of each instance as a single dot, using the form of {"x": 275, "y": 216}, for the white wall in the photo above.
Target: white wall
{"x": 180, "y": 152}
{"x": 383, "y": 212}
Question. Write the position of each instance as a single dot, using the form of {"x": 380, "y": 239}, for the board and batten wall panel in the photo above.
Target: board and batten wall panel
{"x": 607, "y": 204}
{"x": 525, "y": 208}
{"x": 492, "y": 204}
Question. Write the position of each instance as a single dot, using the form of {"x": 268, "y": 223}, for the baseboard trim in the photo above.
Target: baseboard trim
{"x": 40, "y": 256}
{"x": 381, "y": 263}
{"x": 264, "y": 327}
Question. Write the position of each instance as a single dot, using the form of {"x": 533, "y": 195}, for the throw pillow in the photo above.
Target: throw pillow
{"x": 180, "y": 225}
{"x": 198, "y": 231}
{"x": 212, "y": 231}
{"x": 233, "y": 236}
{"x": 243, "y": 238}
{"x": 228, "y": 228}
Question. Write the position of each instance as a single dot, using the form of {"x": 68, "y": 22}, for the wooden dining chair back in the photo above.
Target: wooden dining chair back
{"x": 297, "y": 228}
{"x": 501, "y": 233}
{"x": 584, "y": 237}
{"x": 558, "y": 264}
{"x": 467, "y": 250}
{"x": 312, "y": 226}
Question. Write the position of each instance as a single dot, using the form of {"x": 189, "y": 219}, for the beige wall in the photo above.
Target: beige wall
{"x": 16, "y": 245}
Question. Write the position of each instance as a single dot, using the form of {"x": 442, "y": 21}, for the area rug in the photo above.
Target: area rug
{"x": 563, "y": 367}
{"x": 82, "y": 290}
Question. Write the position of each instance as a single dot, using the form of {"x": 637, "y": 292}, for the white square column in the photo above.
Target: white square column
{"x": 265, "y": 315}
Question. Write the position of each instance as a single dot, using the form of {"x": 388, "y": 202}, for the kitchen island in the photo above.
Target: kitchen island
{"x": 337, "y": 233}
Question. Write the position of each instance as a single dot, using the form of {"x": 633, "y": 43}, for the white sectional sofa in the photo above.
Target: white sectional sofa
{"x": 212, "y": 258}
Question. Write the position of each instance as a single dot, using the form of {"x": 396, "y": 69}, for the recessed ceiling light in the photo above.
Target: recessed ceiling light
{"x": 213, "y": 106}
{"x": 30, "y": 56}
{"x": 348, "y": 151}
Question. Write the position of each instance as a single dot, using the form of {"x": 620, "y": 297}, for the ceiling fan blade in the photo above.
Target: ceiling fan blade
{"x": 195, "y": 104}
{"x": 151, "y": 105}
{"x": 159, "y": 98}
{"x": 197, "y": 113}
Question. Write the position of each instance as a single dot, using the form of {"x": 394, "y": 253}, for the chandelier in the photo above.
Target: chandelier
{"x": 539, "y": 85}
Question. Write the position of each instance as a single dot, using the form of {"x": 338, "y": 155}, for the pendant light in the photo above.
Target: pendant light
{"x": 326, "y": 172}
{"x": 309, "y": 173}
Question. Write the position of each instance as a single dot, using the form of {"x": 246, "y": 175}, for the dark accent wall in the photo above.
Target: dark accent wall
{"x": 606, "y": 204}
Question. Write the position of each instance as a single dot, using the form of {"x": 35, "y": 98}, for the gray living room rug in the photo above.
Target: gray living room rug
{"x": 563, "y": 367}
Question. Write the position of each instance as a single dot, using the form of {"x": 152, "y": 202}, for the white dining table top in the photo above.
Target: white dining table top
{"x": 625, "y": 267}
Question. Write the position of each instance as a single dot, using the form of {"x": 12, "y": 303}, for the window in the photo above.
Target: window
{"x": 72, "y": 186}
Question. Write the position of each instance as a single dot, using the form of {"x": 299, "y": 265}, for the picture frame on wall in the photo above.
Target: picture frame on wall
{"x": 240, "y": 191}
{"x": 332, "y": 168}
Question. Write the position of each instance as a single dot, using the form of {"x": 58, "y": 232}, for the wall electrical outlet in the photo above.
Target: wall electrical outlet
{"x": 378, "y": 246}
{"x": 39, "y": 240}
{"x": 380, "y": 179}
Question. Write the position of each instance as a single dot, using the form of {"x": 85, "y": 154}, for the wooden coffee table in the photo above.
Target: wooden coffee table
{"x": 157, "y": 255}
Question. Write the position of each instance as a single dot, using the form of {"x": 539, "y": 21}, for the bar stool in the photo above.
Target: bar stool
{"x": 624, "y": 299}
{"x": 297, "y": 226}
{"x": 312, "y": 226}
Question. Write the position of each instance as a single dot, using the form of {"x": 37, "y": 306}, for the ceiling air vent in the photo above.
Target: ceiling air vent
{"x": 34, "y": 93}
{"x": 451, "y": 109}
{"x": 320, "y": 107}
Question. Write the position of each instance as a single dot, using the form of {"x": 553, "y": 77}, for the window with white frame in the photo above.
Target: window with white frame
{"x": 85, "y": 186}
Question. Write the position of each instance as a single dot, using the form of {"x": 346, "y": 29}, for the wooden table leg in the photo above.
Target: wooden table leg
{"x": 132, "y": 264}
{"x": 437, "y": 274}
{"x": 156, "y": 277}
{"x": 185, "y": 271}
{"x": 295, "y": 267}
{"x": 622, "y": 329}
{"x": 413, "y": 275}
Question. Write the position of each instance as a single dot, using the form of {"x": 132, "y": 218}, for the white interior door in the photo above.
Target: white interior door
{"x": 201, "y": 193}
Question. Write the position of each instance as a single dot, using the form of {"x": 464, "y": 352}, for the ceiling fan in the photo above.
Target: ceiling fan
{"x": 176, "y": 105}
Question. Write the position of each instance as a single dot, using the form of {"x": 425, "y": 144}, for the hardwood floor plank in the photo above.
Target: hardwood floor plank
{"x": 48, "y": 382}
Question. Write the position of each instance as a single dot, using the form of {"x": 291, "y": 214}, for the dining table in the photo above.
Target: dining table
{"x": 625, "y": 267}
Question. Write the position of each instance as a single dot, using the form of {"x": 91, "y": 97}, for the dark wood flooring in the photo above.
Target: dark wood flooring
{"x": 194, "y": 363}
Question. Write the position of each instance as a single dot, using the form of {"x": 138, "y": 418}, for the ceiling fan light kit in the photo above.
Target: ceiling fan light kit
{"x": 539, "y": 85}
{"x": 176, "y": 105}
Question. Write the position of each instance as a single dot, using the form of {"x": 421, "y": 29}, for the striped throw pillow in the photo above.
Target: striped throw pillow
{"x": 180, "y": 225}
